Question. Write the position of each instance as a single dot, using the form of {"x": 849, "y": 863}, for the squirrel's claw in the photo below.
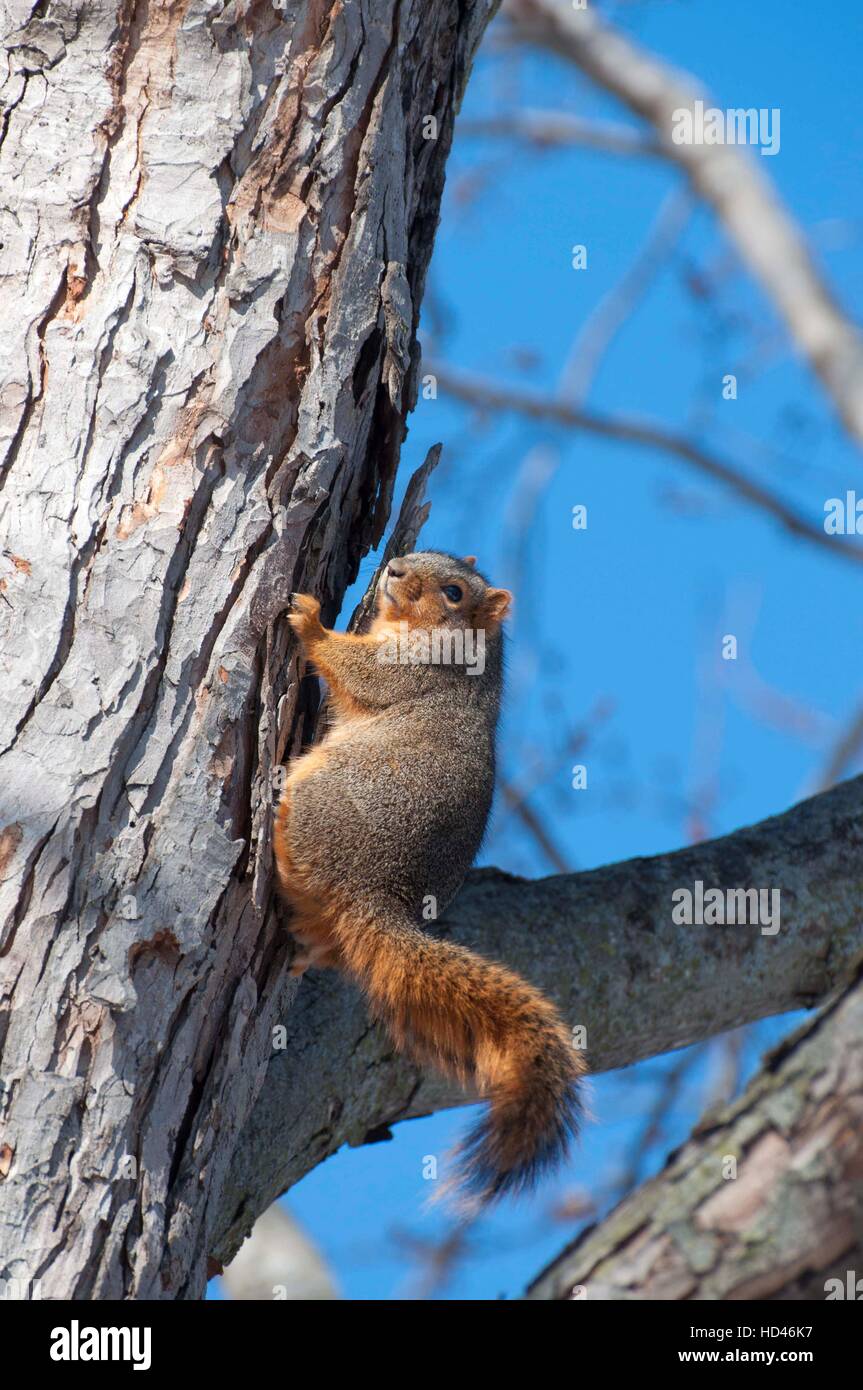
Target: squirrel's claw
{"x": 305, "y": 603}
{"x": 305, "y": 614}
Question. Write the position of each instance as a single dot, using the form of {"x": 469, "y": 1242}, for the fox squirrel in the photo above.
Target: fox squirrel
{"x": 383, "y": 818}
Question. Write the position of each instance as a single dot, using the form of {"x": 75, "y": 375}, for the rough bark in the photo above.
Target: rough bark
{"x": 765, "y": 1201}
{"x": 604, "y": 946}
{"x": 217, "y": 222}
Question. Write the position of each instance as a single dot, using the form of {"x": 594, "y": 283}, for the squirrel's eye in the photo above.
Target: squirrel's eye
{"x": 452, "y": 592}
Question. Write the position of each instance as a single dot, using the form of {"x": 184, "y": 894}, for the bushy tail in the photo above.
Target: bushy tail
{"x": 479, "y": 1023}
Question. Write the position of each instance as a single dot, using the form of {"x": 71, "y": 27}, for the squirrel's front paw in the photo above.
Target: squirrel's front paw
{"x": 305, "y": 616}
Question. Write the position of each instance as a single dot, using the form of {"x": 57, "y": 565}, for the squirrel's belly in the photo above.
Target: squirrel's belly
{"x": 367, "y": 812}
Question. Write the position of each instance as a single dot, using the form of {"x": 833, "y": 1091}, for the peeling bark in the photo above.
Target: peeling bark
{"x": 216, "y": 224}
{"x": 765, "y": 1201}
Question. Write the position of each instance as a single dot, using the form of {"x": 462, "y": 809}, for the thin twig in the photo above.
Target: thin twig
{"x": 486, "y": 395}
{"x": 557, "y": 129}
{"x": 616, "y": 307}
{"x": 735, "y": 185}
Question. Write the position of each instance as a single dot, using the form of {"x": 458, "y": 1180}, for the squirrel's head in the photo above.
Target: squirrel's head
{"x": 432, "y": 590}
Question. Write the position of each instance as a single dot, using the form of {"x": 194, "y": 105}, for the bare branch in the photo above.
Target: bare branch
{"x": 533, "y": 823}
{"x": 613, "y": 310}
{"x": 556, "y": 129}
{"x": 603, "y": 944}
{"x": 734, "y": 184}
{"x": 845, "y": 750}
{"x": 486, "y": 395}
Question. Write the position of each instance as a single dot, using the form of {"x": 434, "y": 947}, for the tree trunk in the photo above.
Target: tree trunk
{"x": 218, "y": 226}
{"x": 765, "y": 1200}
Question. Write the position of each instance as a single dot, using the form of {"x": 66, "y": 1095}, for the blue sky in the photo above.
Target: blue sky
{"x": 628, "y": 614}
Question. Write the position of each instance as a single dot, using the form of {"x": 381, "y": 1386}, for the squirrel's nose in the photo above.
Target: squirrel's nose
{"x": 397, "y": 569}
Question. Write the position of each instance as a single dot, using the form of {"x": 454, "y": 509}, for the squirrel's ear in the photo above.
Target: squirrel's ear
{"x": 496, "y": 605}
{"x": 469, "y": 560}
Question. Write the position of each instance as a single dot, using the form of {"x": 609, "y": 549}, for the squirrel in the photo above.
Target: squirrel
{"x": 383, "y": 818}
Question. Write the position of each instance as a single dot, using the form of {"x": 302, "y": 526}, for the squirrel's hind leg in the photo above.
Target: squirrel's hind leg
{"x": 322, "y": 955}
{"x": 312, "y": 928}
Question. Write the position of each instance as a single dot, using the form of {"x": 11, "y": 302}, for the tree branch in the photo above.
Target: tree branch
{"x": 735, "y": 186}
{"x": 558, "y": 129}
{"x": 764, "y": 1201}
{"x": 486, "y": 395}
{"x": 603, "y": 945}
